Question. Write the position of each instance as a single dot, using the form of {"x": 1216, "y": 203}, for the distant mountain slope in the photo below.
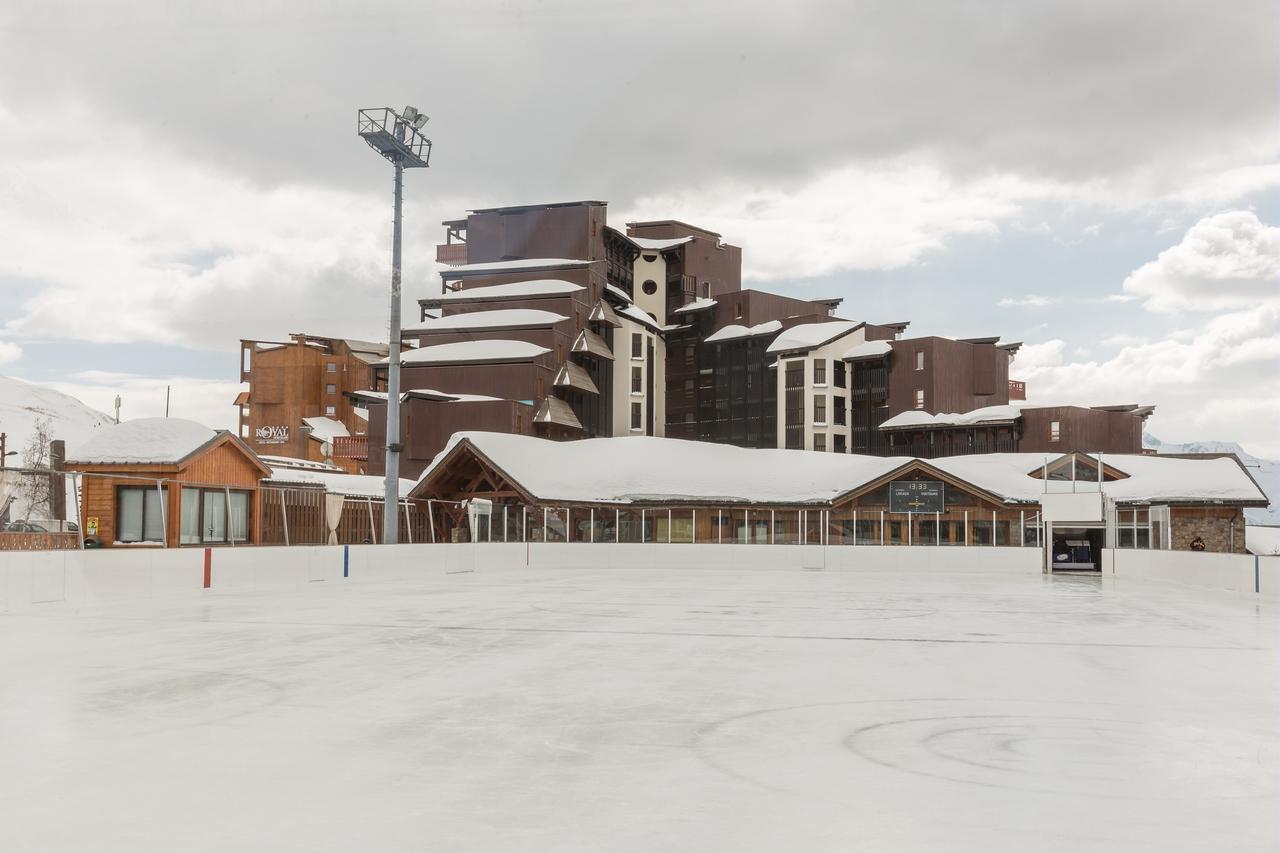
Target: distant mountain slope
{"x": 1265, "y": 471}
{"x": 22, "y": 404}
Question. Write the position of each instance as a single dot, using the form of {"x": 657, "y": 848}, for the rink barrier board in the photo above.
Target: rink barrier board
{"x": 79, "y": 578}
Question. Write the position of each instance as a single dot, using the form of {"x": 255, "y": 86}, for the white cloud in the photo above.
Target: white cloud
{"x": 157, "y": 247}
{"x": 1224, "y": 262}
{"x": 1219, "y": 383}
{"x": 9, "y": 351}
{"x": 206, "y": 401}
{"x": 1031, "y": 300}
{"x": 884, "y": 217}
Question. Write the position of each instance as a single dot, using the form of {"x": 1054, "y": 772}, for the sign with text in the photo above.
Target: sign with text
{"x": 916, "y": 496}
{"x": 271, "y": 434}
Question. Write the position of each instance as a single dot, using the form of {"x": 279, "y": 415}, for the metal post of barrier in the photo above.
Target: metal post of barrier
{"x": 642, "y": 526}
{"x": 544, "y": 525}
{"x": 431, "y": 521}
{"x": 408, "y": 522}
{"x": 524, "y": 524}
{"x": 284, "y": 515}
{"x": 1257, "y": 574}
{"x": 855, "y": 527}
{"x": 78, "y": 484}
{"x": 617, "y": 526}
{"x": 966, "y": 527}
{"x": 373, "y": 533}
{"x": 668, "y": 527}
{"x": 937, "y": 528}
{"x": 881, "y": 527}
{"x": 993, "y": 519}
{"x": 231, "y": 531}
{"x": 591, "y": 534}
{"x": 773, "y": 527}
{"x": 504, "y": 523}
{"x": 719, "y": 526}
{"x": 164, "y": 512}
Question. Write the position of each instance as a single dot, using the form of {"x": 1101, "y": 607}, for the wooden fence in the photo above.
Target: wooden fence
{"x": 39, "y": 541}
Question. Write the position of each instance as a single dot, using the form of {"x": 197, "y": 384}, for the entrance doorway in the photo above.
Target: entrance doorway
{"x": 1076, "y": 548}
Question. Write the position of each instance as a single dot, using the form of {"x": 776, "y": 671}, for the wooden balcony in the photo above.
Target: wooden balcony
{"x": 453, "y": 254}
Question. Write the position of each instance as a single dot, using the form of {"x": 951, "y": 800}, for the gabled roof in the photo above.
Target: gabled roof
{"x": 572, "y": 375}
{"x": 640, "y": 316}
{"x": 591, "y": 343}
{"x": 603, "y": 313}
{"x": 553, "y": 410}
{"x": 154, "y": 441}
{"x": 645, "y": 469}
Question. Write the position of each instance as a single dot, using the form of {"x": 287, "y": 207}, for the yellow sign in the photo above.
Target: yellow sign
{"x": 91, "y": 526}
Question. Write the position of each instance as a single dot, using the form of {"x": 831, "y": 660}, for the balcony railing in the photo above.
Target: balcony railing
{"x": 351, "y": 447}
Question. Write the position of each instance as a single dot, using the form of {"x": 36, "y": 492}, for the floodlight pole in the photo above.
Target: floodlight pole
{"x": 398, "y": 138}
{"x": 391, "y": 495}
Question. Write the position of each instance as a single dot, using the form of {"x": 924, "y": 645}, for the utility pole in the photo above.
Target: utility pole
{"x": 397, "y": 138}
{"x": 166, "y": 401}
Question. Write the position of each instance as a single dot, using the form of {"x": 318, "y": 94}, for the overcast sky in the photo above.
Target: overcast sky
{"x": 1098, "y": 179}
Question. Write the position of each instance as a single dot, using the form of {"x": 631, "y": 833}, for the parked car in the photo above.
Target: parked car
{"x": 23, "y": 527}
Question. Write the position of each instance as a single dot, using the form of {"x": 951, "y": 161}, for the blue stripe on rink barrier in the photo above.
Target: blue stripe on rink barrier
{"x": 346, "y": 560}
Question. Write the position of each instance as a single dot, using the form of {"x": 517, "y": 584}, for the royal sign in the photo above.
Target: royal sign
{"x": 271, "y": 434}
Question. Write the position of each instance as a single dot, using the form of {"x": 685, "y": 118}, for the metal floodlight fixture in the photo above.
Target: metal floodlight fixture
{"x": 409, "y": 113}
{"x": 420, "y": 120}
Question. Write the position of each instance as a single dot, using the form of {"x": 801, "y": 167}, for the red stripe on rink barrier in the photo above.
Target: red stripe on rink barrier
{"x": 208, "y": 567}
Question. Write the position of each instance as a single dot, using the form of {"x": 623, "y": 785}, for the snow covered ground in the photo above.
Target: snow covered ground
{"x": 669, "y": 709}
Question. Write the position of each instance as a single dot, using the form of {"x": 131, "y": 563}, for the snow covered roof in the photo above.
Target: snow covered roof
{"x": 810, "y": 335}
{"x": 868, "y": 349}
{"x": 508, "y": 266}
{"x": 447, "y": 397}
{"x": 465, "y": 351}
{"x": 618, "y": 292}
{"x": 295, "y": 462}
{"x": 336, "y": 483}
{"x": 502, "y": 318}
{"x": 326, "y": 429}
{"x": 640, "y": 316}
{"x": 699, "y": 304}
{"x": 733, "y": 331}
{"x": 536, "y": 287}
{"x": 1264, "y": 540}
{"x": 146, "y": 441}
{"x": 659, "y": 245}
{"x": 640, "y": 468}
{"x": 987, "y": 414}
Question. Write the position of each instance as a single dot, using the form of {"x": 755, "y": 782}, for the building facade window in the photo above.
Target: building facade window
{"x": 820, "y": 371}
{"x": 331, "y": 388}
{"x": 650, "y": 287}
{"x": 840, "y": 373}
{"x": 793, "y": 413}
{"x": 330, "y": 411}
{"x": 1055, "y": 430}
{"x": 841, "y": 445}
{"x": 919, "y": 359}
{"x": 331, "y": 367}
{"x": 838, "y": 410}
{"x": 820, "y": 409}
{"x": 919, "y": 398}
{"x": 212, "y": 516}
{"x": 637, "y": 345}
{"x": 140, "y": 514}
{"x": 637, "y": 380}
{"x": 820, "y": 441}
{"x": 637, "y": 416}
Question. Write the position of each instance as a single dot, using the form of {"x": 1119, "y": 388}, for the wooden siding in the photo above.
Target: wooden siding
{"x": 1088, "y": 430}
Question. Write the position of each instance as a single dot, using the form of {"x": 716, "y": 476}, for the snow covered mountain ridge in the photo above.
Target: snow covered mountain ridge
{"x": 23, "y": 404}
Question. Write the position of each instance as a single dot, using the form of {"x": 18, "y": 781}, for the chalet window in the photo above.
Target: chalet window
{"x": 541, "y": 388}
{"x": 637, "y": 345}
{"x": 213, "y": 516}
{"x": 637, "y": 415}
{"x": 331, "y": 389}
{"x": 140, "y": 514}
{"x": 820, "y": 371}
{"x": 331, "y": 367}
{"x": 820, "y": 442}
{"x": 919, "y": 399}
{"x": 637, "y": 380}
{"x": 330, "y": 411}
{"x": 840, "y": 444}
{"x": 1055, "y": 430}
{"x": 919, "y": 359}
{"x": 840, "y": 368}
{"x": 559, "y": 353}
{"x": 704, "y": 289}
{"x": 737, "y": 310}
{"x": 246, "y": 359}
{"x": 820, "y": 409}
{"x": 838, "y": 410}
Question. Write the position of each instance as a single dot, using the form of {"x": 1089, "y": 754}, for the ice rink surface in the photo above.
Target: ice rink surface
{"x": 670, "y": 709}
